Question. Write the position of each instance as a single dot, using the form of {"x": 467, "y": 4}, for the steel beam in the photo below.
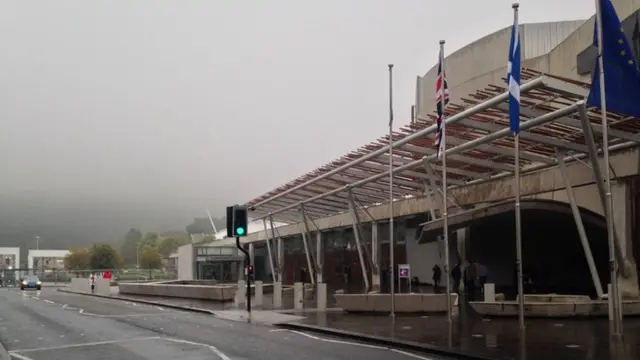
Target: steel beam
{"x": 600, "y": 181}
{"x": 356, "y": 219}
{"x": 306, "y": 219}
{"x": 575, "y": 123}
{"x": 488, "y": 127}
{"x": 304, "y": 231}
{"x": 460, "y": 148}
{"x": 279, "y": 250}
{"x": 456, "y": 171}
{"x": 269, "y": 252}
{"x": 476, "y": 109}
{"x": 356, "y": 235}
{"x": 579, "y": 225}
{"x": 434, "y": 194}
{"x": 499, "y": 150}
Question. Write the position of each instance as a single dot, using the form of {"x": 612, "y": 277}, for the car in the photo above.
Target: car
{"x": 31, "y": 282}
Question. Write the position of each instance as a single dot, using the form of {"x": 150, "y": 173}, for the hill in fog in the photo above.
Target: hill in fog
{"x": 62, "y": 224}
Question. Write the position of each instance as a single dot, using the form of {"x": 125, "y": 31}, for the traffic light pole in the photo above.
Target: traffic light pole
{"x": 247, "y": 264}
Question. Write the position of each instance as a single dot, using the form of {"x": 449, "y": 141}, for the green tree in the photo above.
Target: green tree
{"x": 77, "y": 259}
{"x": 104, "y": 256}
{"x": 150, "y": 258}
{"x": 130, "y": 245}
{"x": 169, "y": 245}
{"x": 150, "y": 239}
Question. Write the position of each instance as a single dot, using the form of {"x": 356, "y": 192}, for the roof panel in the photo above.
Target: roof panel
{"x": 474, "y": 151}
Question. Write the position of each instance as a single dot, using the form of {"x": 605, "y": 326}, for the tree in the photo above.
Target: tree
{"x": 170, "y": 244}
{"x": 150, "y": 239}
{"x": 150, "y": 258}
{"x": 77, "y": 259}
{"x": 130, "y": 245}
{"x": 103, "y": 256}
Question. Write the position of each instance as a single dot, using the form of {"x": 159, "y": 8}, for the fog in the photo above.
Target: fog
{"x": 184, "y": 105}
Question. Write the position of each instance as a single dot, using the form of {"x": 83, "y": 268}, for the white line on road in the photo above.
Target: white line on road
{"x": 214, "y": 349}
{"x": 85, "y": 344}
{"x": 49, "y": 301}
{"x": 356, "y": 344}
{"x": 19, "y": 356}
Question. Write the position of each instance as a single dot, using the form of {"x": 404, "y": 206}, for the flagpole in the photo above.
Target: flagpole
{"x": 445, "y": 215}
{"x": 613, "y": 264}
{"x": 516, "y": 156}
{"x": 392, "y": 289}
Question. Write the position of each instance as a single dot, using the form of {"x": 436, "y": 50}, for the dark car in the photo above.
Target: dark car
{"x": 31, "y": 282}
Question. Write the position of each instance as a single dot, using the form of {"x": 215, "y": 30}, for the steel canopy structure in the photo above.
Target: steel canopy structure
{"x": 479, "y": 149}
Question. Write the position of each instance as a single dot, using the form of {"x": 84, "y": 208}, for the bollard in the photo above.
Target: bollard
{"x": 277, "y": 295}
{"x": 490, "y": 293}
{"x": 322, "y": 296}
{"x": 610, "y": 302}
{"x": 298, "y": 295}
{"x": 258, "y": 293}
{"x": 241, "y": 294}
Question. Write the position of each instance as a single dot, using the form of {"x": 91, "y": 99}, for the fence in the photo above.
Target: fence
{"x": 11, "y": 277}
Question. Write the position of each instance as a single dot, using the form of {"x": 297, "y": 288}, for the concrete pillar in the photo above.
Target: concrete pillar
{"x": 321, "y": 299}
{"x": 490, "y": 293}
{"x": 280, "y": 255}
{"x": 623, "y": 227}
{"x": 298, "y": 295}
{"x": 277, "y": 295}
{"x": 258, "y": 291}
{"x": 375, "y": 257}
{"x": 241, "y": 294}
{"x": 319, "y": 257}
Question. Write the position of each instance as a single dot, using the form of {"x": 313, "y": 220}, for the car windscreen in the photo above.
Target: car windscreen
{"x": 32, "y": 279}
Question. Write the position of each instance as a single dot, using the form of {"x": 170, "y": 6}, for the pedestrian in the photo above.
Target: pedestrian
{"x": 92, "y": 281}
{"x": 437, "y": 275}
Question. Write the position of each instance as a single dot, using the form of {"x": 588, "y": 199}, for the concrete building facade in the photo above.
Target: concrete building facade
{"x": 43, "y": 259}
{"x": 560, "y": 49}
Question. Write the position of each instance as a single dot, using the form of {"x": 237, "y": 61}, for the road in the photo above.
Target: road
{"x": 52, "y": 325}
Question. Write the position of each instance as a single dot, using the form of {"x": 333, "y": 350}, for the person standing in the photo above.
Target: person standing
{"x": 437, "y": 276}
{"x": 92, "y": 282}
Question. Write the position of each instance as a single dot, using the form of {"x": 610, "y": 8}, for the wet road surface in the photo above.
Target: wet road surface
{"x": 51, "y": 325}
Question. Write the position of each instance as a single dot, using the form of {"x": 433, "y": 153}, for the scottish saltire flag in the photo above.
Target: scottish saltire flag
{"x": 442, "y": 99}
{"x": 621, "y": 74}
{"x": 513, "y": 77}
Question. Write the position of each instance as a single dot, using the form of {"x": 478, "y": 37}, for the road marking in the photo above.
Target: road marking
{"x": 214, "y": 349}
{"x": 356, "y": 344}
{"x": 70, "y": 346}
{"x": 19, "y": 356}
{"x": 49, "y": 301}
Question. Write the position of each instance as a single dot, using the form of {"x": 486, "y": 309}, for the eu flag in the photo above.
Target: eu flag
{"x": 513, "y": 76}
{"x": 622, "y": 77}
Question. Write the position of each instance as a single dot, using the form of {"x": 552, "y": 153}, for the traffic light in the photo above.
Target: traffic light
{"x": 237, "y": 221}
{"x": 250, "y": 269}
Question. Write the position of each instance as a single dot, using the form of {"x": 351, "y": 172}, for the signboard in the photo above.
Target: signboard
{"x": 404, "y": 271}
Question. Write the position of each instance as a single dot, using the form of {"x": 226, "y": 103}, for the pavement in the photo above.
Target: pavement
{"x": 53, "y": 325}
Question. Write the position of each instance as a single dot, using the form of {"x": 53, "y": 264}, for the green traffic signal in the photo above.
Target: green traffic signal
{"x": 240, "y": 231}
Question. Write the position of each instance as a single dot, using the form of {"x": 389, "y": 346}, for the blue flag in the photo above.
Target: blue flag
{"x": 621, "y": 74}
{"x": 513, "y": 77}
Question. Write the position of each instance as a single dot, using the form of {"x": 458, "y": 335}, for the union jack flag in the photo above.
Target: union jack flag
{"x": 442, "y": 91}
